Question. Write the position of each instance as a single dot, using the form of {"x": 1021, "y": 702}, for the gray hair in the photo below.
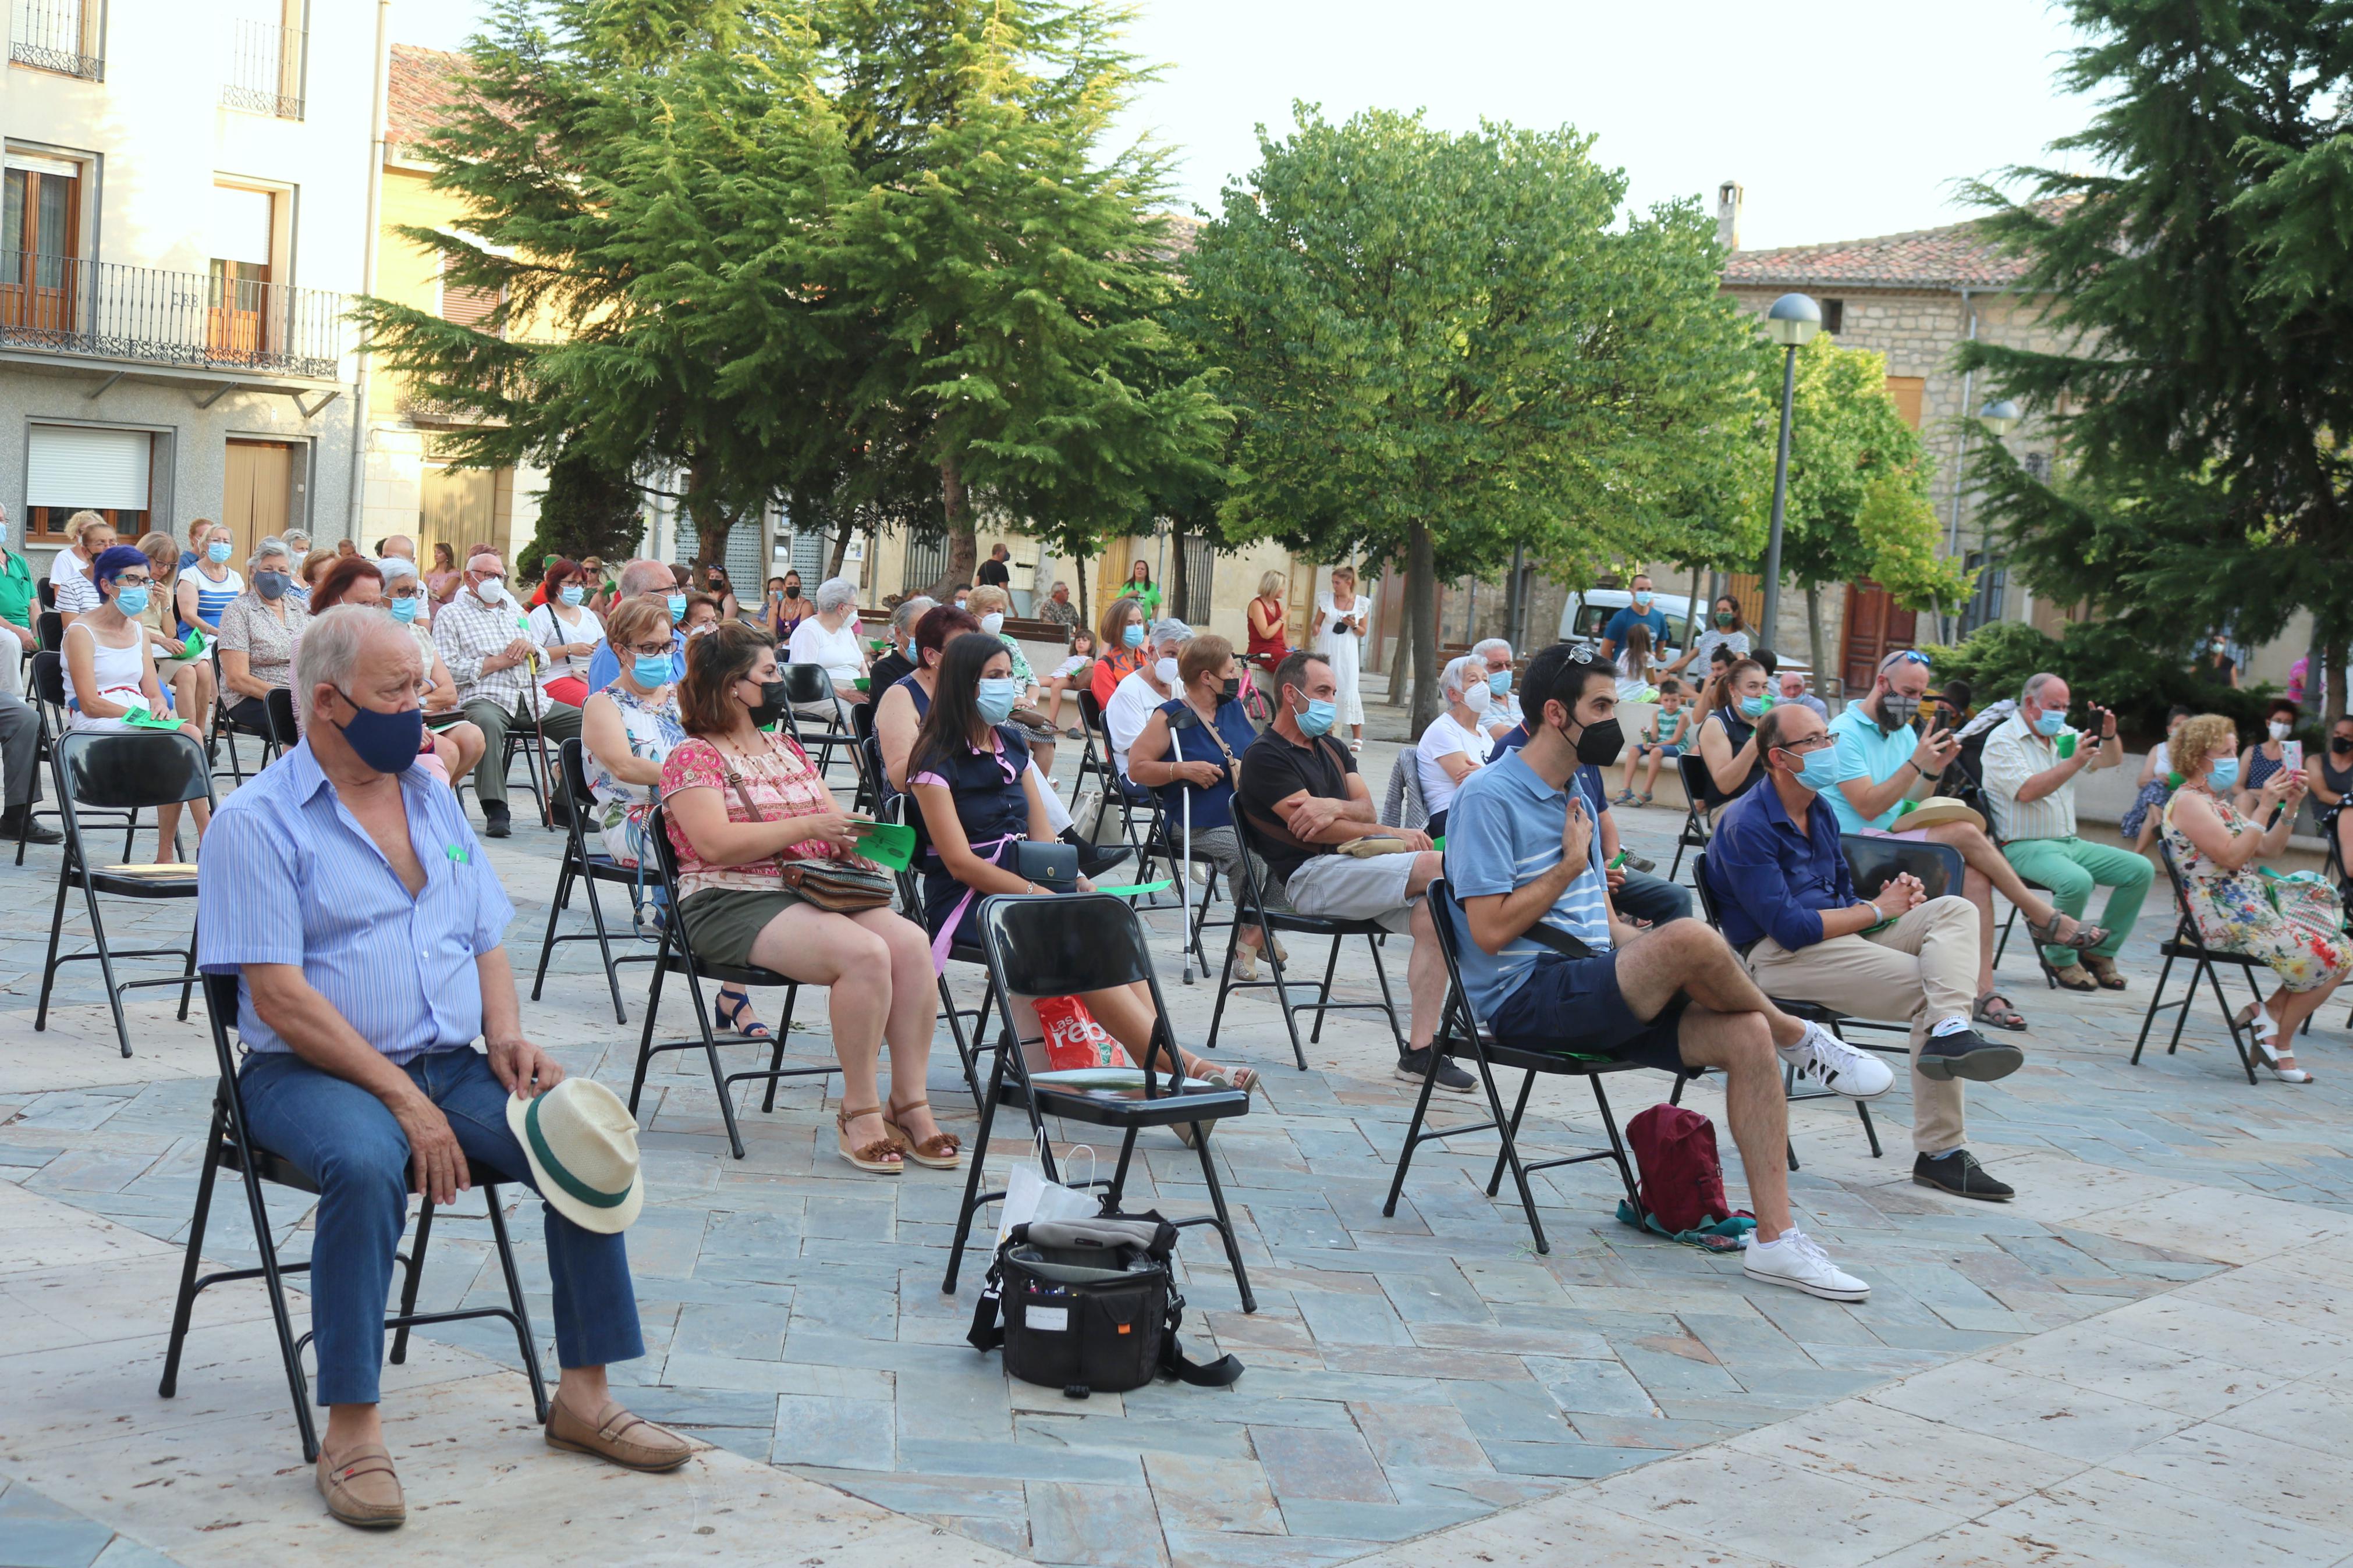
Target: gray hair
{"x": 1170, "y": 633}
{"x": 2032, "y": 690}
{"x": 329, "y": 650}
{"x": 271, "y": 546}
{"x": 298, "y": 538}
{"x": 643, "y": 576}
{"x": 1461, "y": 674}
{"x": 834, "y": 593}
{"x": 1488, "y": 646}
{"x": 910, "y": 609}
{"x": 394, "y": 568}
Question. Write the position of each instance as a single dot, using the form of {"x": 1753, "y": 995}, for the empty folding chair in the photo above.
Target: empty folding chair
{"x": 584, "y": 867}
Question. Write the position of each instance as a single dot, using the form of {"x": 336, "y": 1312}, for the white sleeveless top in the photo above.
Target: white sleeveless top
{"x": 117, "y": 670}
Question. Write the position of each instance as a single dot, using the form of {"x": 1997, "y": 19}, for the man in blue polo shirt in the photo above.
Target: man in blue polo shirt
{"x": 642, "y": 578}
{"x": 1521, "y": 853}
{"x": 1644, "y": 612}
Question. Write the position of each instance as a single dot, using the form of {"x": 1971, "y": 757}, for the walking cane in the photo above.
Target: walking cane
{"x": 539, "y": 732}
{"x": 1185, "y": 881}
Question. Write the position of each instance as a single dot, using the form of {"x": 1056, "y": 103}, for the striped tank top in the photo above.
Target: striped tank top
{"x": 213, "y": 598}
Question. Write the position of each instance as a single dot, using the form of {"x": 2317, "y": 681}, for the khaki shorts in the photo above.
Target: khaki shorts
{"x": 1342, "y": 887}
{"x": 721, "y": 923}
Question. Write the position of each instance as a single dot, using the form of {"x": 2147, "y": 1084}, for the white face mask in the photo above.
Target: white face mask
{"x": 1476, "y": 697}
{"x": 2279, "y": 729}
{"x": 1166, "y": 672}
{"x": 992, "y": 623}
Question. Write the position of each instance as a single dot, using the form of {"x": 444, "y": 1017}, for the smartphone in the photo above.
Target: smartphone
{"x": 2292, "y": 755}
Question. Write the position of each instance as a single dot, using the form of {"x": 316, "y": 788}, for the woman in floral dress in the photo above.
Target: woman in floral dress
{"x": 2295, "y": 926}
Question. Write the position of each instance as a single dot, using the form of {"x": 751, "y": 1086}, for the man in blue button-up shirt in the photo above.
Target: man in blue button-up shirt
{"x": 1789, "y": 903}
{"x": 346, "y": 890}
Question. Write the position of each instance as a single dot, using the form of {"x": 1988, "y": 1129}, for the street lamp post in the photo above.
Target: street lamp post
{"x": 1791, "y": 323}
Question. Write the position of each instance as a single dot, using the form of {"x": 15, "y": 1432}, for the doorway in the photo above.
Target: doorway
{"x": 258, "y": 492}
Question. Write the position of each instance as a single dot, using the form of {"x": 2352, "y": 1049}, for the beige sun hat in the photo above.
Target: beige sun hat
{"x": 582, "y": 1143}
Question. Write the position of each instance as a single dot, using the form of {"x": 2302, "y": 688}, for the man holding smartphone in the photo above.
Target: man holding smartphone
{"x": 1521, "y": 854}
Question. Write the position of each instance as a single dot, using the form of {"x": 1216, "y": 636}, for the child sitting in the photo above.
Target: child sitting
{"x": 1069, "y": 675}
{"x": 1661, "y": 742}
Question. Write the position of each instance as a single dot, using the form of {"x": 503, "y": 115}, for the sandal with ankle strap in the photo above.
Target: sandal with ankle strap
{"x": 881, "y": 1156}
{"x": 939, "y": 1152}
{"x": 732, "y": 1017}
{"x": 2256, "y": 1019}
{"x": 2086, "y": 937}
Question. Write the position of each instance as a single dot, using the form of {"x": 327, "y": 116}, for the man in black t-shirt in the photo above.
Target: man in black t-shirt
{"x": 1304, "y": 797}
{"x": 994, "y": 570}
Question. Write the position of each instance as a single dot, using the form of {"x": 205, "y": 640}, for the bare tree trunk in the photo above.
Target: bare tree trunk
{"x": 1421, "y": 626}
{"x": 841, "y": 543}
{"x": 963, "y": 551}
{"x": 711, "y": 523}
{"x": 2333, "y": 652}
{"x": 1398, "y": 655}
{"x": 1086, "y": 609}
{"x": 1179, "y": 577}
{"x": 1814, "y": 633}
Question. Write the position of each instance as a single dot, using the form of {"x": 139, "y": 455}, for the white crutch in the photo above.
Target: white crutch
{"x": 1185, "y": 882}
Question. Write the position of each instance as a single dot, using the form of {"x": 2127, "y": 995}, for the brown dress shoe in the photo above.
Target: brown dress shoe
{"x": 361, "y": 1488}
{"x": 2104, "y": 971}
{"x": 615, "y": 1435}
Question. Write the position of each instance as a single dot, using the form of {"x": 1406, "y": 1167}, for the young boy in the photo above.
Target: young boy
{"x": 1662, "y": 741}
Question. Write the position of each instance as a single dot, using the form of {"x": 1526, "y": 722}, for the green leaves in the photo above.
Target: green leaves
{"x": 1858, "y": 502}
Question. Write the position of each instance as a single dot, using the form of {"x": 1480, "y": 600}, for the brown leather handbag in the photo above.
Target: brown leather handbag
{"x": 836, "y": 887}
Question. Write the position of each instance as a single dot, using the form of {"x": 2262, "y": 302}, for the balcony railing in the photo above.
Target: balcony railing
{"x": 265, "y": 70}
{"x": 59, "y": 36}
{"x": 59, "y": 304}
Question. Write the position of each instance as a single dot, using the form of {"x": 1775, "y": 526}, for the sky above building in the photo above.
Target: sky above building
{"x": 1842, "y": 118}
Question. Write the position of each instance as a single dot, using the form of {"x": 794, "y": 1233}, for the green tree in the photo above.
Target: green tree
{"x": 1444, "y": 345}
{"x": 2202, "y": 279}
{"x": 650, "y": 187}
{"x": 584, "y": 510}
{"x": 1858, "y": 504}
{"x": 1000, "y": 272}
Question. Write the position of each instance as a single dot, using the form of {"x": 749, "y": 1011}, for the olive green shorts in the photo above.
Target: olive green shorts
{"x": 723, "y": 923}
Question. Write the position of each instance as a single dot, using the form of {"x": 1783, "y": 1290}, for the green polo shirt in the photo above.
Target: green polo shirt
{"x": 1869, "y": 754}
{"x": 16, "y": 597}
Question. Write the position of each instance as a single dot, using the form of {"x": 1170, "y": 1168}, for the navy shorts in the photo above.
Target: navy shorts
{"x": 1586, "y": 989}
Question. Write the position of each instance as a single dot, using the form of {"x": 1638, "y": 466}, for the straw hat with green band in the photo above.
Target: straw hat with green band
{"x": 582, "y": 1143}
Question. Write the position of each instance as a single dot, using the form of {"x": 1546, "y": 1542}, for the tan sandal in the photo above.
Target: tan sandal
{"x": 881, "y": 1157}
{"x": 939, "y": 1152}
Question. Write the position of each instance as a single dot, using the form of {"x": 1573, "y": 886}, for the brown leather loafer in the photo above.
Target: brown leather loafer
{"x": 361, "y": 1488}
{"x": 615, "y": 1435}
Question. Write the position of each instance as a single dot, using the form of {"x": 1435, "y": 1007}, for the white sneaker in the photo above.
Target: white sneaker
{"x": 1830, "y": 1062}
{"x": 1797, "y": 1261}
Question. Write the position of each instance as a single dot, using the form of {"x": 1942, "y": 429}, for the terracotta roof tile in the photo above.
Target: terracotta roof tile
{"x": 1960, "y": 255}
{"x": 420, "y": 90}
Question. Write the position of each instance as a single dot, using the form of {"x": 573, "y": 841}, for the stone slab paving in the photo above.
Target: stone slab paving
{"x": 2141, "y": 1354}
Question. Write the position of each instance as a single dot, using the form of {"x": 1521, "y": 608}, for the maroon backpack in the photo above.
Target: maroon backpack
{"x": 1682, "y": 1179}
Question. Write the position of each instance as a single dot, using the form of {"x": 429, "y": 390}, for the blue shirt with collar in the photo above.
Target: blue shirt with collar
{"x": 1771, "y": 877}
{"x": 1503, "y": 831}
{"x": 1870, "y": 755}
{"x": 289, "y": 876}
{"x": 605, "y": 666}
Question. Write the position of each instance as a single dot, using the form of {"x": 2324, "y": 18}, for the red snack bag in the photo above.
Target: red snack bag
{"x": 1074, "y": 1038}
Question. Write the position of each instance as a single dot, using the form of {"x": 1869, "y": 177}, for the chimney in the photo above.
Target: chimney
{"x": 1727, "y": 215}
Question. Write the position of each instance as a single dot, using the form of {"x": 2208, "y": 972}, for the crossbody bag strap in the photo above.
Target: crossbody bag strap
{"x": 735, "y": 782}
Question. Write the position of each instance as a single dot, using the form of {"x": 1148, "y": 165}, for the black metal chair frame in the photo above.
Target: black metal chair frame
{"x": 1253, "y": 910}
{"x": 902, "y": 809}
{"x": 1461, "y": 1033}
{"x": 75, "y": 870}
{"x": 1009, "y": 1083}
{"x": 1102, "y": 765}
{"x": 1699, "y": 817}
{"x": 520, "y": 738}
{"x": 676, "y": 955}
{"x": 811, "y": 684}
{"x": 2187, "y": 943}
{"x": 45, "y": 681}
{"x": 229, "y": 1147}
{"x": 871, "y": 787}
{"x": 584, "y": 867}
{"x": 227, "y": 729}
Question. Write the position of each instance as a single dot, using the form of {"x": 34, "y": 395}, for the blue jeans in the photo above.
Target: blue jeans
{"x": 346, "y": 1141}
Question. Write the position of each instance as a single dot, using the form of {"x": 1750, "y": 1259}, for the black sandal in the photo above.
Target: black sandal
{"x": 2086, "y": 937}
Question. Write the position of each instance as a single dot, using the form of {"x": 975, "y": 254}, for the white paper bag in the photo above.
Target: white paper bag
{"x": 1028, "y": 1196}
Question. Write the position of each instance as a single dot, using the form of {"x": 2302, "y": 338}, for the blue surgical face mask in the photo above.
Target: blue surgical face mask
{"x": 651, "y": 670}
{"x": 573, "y": 592}
{"x": 1134, "y": 636}
{"x": 677, "y": 608}
{"x": 1641, "y": 598}
{"x": 996, "y": 697}
{"x": 4, "y": 531}
{"x": 2049, "y": 723}
{"x": 271, "y": 585}
{"x": 1754, "y": 707}
{"x": 132, "y": 600}
{"x": 403, "y": 610}
{"x": 1822, "y": 769}
{"x": 2223, "y": 774}
{"x": 1317, "y": 718}
{"x": 385, "y": 741}
{"x": 216, "y": 551}
{"x": 1499, "y": 681}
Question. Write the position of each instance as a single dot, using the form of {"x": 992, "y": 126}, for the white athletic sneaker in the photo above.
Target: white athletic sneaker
{"x": 1797, "y": 1261}
{"x": 1835, "y": 1065}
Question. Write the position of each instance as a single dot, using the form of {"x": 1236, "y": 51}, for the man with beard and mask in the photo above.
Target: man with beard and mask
{"x": 1304, "y": 797}
{"x": 1790, "y": 909}
{"x": 483, "y": 639}
{"x": 1521, "y": 852}
{"x": 344, "y": 889}
{"x": 1882, "y": 758}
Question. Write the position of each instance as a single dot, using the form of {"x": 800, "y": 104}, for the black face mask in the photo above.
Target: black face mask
{"x": 772, "y": 704}
{"x": 792, "y": 590}
{"x": 2340, "y": 744}
{"x": 1599, "y": 744}
{"x": 1230, "y": 690}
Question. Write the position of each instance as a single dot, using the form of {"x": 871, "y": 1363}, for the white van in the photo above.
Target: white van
{"x": 1586, "y": 616}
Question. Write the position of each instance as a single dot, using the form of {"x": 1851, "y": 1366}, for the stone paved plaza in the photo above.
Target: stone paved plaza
{"x": 2143, "y": 1360}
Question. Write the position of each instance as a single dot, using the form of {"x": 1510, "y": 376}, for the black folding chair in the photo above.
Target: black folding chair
{"x": 1874, "y": 862}
{"x": 120, "y": 771}
{"x": 227, "y": 728}
{"x": 50, "y": 632}
{"x": 47, "y": 591}
{"x": 1254, "y": 911}
{"x": 1096, "y": 761}
{"x": 46, "y": 681}
{"x": 1461, "y": 1033}
{"x": 676, "y": 955}
{"x": 902, "y": 809}
{"x": 865, "y": 757}
{"x": 522, "y": 739}
{"x": 811, "y": 686}
{"x": 1829, "y": 1018}
{"x": 2209, "y": 961}
{"x": 1699, "y": 817}
{"x": 228, "y": 1146}
{"x": 585, "y": 868}
{"x": 1065, "y": 946}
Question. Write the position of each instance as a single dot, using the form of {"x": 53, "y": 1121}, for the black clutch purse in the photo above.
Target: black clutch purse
{"x": 1051, "y": 865}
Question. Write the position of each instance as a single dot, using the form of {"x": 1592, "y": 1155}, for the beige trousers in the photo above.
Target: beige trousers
{"x": 1924, "y": 968}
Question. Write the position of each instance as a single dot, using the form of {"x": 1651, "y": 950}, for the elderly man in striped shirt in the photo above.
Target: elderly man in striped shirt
{"x": 491, "y": 657}
{"x": 344, "y": 889}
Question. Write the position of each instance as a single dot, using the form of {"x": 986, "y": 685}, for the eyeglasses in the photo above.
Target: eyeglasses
{"x": 650, "y": 649}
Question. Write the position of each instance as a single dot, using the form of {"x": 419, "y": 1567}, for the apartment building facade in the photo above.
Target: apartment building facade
{"x": 188, "y": 190}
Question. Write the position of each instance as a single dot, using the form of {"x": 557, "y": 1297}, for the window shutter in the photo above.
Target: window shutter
{"x": 466, "y": 306}
{"x": 73, "y": 466}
